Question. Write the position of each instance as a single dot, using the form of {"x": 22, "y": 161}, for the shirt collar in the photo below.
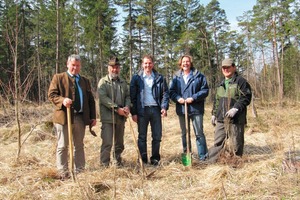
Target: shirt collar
{"x": 145, "y": 75}
{"x": 72, "y": 76}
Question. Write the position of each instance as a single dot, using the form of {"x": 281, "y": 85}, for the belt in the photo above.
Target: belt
{"x": 153, "y": 106}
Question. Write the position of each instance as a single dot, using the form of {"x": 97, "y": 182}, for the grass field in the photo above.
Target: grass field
{"x": 269, "y": 169}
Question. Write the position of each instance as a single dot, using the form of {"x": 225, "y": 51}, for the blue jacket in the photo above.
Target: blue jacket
{"x": 196, "y": 87}
{"x": 160, "y": 92}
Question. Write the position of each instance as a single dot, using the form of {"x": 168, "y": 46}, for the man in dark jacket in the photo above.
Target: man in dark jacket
{"x": 69, "y": 89}
{"x": 229, "y": 110}
{"x": 190, "y": 86}
{"x": 149, "y": 96}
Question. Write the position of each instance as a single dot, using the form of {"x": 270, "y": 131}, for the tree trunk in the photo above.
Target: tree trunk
{"x": 130, "y": 41}
{"x": 57, "y": 35}
{"x": 152, "y": 30}
{"x": 276, "y": 60}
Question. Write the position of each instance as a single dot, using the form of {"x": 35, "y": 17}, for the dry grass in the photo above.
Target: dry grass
{"x": 268, "y": 169}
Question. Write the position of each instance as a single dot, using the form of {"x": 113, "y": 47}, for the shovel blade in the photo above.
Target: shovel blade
{"x": 186, "y": 159}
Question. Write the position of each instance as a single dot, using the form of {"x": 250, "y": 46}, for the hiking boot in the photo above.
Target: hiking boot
{"x": 64, "y": 175}
{"x": 155, "y": 162}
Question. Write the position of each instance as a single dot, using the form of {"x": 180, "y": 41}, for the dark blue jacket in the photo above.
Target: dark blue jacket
{"x": 196, "y": 87}
{"x": 160, "y": 92}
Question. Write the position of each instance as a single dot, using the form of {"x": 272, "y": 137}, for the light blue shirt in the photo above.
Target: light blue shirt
{"x": 186, "y": 77}
{"x": 77, "y": 78}
{"x": 148, "y": 96}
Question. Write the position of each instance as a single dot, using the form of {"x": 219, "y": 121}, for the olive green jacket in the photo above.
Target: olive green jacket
{"x": 107, "y": 99}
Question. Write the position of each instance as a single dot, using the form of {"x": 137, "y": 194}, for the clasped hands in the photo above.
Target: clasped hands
{"x": 125, "y": 111}
{"x": 182, "y": 100}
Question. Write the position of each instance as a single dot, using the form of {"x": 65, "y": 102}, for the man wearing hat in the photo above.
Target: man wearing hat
{"x": 114, "y": 102}
{"x": 229, "y": 112}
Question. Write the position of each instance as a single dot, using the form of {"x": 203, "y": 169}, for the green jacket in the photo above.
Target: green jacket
{"x": 106, "y": 102}
{"x": 238, "y": 95}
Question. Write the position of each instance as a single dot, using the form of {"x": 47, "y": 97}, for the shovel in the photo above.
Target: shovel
{"x": 70, "y": 142}
{"x": 187, "y": 157}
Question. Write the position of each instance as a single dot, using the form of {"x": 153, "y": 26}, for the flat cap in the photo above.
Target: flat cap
{"x": 227, "y": 62}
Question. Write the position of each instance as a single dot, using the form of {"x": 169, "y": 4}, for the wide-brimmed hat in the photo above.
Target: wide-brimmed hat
{"x": 113, "y": 61}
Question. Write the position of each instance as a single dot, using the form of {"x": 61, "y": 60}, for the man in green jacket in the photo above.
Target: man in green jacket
{"x": 229, "y": 112}
{"x": 114, "y": 102}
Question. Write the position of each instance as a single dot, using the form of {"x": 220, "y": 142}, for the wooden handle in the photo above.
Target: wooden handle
{"x": 70, "y": 134}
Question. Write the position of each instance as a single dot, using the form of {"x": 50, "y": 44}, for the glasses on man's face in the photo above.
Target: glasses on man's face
{"x": 226, "y": 67}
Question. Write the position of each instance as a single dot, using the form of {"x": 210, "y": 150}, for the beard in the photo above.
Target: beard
{"x": 114, "y": 76}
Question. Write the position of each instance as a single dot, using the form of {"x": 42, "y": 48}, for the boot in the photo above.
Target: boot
{"x": 201, "y": 147}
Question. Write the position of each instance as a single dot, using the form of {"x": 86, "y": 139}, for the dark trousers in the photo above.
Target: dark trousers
{"x": 152, "y": 115}
{"x": 234, "y": 132}
{"x": 107, "y": 142}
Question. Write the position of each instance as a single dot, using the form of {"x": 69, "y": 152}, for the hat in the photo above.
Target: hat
{"x": 113, "y": 61}
{"x": 227, "y": 62}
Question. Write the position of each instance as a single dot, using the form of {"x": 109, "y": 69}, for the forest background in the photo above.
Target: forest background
{"x": 36, "y": 37}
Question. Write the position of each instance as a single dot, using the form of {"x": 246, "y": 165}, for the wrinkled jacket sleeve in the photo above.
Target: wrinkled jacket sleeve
{"x": 127, "y": 97}
{"x": 104, "y": 95}
{"x": 91, "y": 100}
{"x": 54, "y": 92}
{"x": 245, "y": 96}
{"x": 133, "y": 94}
{"x": 203, "y": 92}
{"x": 165, "y": 95}
{"x": 174, "y": 96}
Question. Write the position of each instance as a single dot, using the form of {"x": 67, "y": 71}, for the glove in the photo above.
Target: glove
{"x": 231, "y": 112}
{"x": 213, "y": 120}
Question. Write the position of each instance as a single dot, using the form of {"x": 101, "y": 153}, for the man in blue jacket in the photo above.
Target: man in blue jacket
{"x": 149, "y": 96}
{"x": 189, "y": 85}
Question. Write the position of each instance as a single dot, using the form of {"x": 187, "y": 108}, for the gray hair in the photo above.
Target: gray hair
{"x": 74, "y": 57}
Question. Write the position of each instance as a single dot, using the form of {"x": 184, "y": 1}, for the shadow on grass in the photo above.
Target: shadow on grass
{"x": 261, "y": 150}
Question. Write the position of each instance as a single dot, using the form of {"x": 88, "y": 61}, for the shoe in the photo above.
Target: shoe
{"x": 155, "y": 162}
{"x": 79, "y": 170}
{"x": 119, "y": 164}
{"x": 105, "y": 165}
{"x": 194, "y": 156}
{"x": 64, "y": 175}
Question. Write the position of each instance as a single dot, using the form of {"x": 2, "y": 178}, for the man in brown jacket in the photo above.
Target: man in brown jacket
{"x": 69, "y": 89}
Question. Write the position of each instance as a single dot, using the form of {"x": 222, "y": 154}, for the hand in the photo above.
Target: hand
{"x": 180, "y": 100}
{"x": 91, "y": 130}
{"x": 213, "y": 120}
{"x": 122, "y": 112}
{"x": 126, "y": 111}
{"x": 93, "y": 122}
{"x": 67, "y": 102}
{"x": 135, "y": 118}
{"x": 189, "y": 100}
{"x": 163, "y": 112}
{"x": 231, "y": 113}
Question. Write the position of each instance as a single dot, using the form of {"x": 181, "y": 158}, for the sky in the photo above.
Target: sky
{"x": 233, "y": 8}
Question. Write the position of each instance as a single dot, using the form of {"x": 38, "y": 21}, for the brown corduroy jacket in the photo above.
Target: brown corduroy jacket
{"x": 62, "y": 86}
